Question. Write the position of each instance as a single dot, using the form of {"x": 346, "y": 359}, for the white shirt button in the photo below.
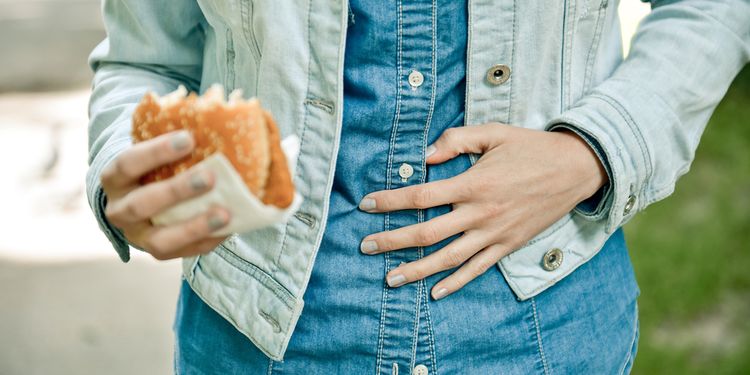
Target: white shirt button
{"x": 419, "y": 370}
{"x": 416, "y": 79}
{"x": 405, "y": 171}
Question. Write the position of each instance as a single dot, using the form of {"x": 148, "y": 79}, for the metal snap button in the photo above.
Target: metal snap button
{"x": 420, "y": 370}
{"x": 416, "y": 79}
{"x": 405, "y": 171}
{"x": 498, "y": 74}
{"x": 629, "y": 205}
{"x": 552, "y": 259}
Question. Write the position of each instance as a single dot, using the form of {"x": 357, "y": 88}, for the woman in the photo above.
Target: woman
{"x": 388, "y": 265}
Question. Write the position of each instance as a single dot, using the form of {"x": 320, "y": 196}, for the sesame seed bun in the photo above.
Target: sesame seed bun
{"x": 240, "y": 129}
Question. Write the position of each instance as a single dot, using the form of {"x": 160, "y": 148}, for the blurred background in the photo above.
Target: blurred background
{"x": 70, "y": 306}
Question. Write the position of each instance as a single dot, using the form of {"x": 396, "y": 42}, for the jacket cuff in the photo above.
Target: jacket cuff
{"x": 595, "y": 207}
{"x": 603, "y": 121}
{"x": 97, "y": 198}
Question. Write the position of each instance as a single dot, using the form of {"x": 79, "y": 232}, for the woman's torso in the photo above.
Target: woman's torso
{"x": 352, "y": 321}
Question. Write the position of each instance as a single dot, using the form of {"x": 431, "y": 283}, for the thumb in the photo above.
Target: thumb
{"x": 474, "y": 139}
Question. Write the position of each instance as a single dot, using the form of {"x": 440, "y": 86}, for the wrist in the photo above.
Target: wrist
{"x": 585, "y": 164}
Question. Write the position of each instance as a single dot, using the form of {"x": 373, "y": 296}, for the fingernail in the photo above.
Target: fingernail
{"x": 216, "y": 221}
{"x": 367, "y": 204}
{"x": 429, "y": 151}
{"x": 181, "y": 140}
{"x": 396, "y": 280}
{"x": 368, "y": 246}
{"x": 199, "y": 181}
{"x": 442, "y": 292}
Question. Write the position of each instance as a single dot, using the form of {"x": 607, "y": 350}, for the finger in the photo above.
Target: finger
{"x": 451, "y": 256}
{"x": 145, "y": 156}
{"x": 475, "y": 139}
{"x": 201, "y": 247}
{"x": 473, "y": 268}
{"x": 146, "y": 201}
{"x": 163, "y": 242}
{"x": 431, "y": 194}
{"x": 422, "y": 234}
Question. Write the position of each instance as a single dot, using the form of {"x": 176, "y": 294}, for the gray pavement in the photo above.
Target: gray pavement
{"x": 87, "y": 317}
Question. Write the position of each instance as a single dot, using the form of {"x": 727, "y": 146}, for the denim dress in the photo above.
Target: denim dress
{"x": 404, "y": 79}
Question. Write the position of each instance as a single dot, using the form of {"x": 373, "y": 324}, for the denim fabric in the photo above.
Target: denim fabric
{"x": 352, "y": 321}
{"x": 586, "y": 324}
{"x": 644, "y": 115}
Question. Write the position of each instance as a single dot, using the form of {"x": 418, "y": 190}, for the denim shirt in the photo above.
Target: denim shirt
{"x": 403, "y": 86}
{"x": 529, "y": 64}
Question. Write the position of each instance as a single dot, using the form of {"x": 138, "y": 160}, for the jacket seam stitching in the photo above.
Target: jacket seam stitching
{"x": 430, "y": 333}
{"x": 513, "y": 62}
{"x": 230, "y": 56}
{"x": 590, "y": 56}
{"x": 540, "y": 346}
{"x": 548, "y": 283}
{"x": 632, "y": 342}
{"x": 248, "y": 30}
{"x": 302, "y": 136}
{"x": 258, "y": 274}
{"x": 394, "y": 130}
{"x": 219, "y": 310}
{"x": 634, "y": 129}
{"x": 420, "y": 213}
{"x": 415, "y": 326}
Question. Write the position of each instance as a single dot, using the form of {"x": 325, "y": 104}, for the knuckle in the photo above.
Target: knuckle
{"x": 421, "y": 197}
{"x": 175, "y": 189}
{"x": 453, "y": 284}
{"x": 122, "y": 168}
{"x": 135, "y": 210}
{"x": 196, "y": 229}
{"x": 417, "y": 273}
{"x": 492, "y": 210}
{"x": 480, "y": 268}
{"x": 157, "y": 248}
{"x": 110, "y": 213}
{"x": 160, "y": 149}
{"x": 452, "y": 258}
{"x": 483, "y": 184}
{"x": 465, "y": 191}
{"x": 107, "y": 175}
{"x": 427, "y": 235}
{"x": 385, "y": 242}
{"x": 450, "y": 135}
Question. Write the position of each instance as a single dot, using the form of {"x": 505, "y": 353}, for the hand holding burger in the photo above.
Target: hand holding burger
{"x": 172, "y": 136}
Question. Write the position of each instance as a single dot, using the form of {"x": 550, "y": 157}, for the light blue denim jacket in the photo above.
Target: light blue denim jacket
{"x": 534, "y": 64}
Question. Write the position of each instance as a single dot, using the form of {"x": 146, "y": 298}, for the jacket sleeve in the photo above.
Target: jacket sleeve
{"x": 151, "y": 45}
{"x": 647, "y": 118}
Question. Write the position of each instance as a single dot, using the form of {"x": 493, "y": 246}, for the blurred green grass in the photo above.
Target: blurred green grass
{"x": 691, "y": 254}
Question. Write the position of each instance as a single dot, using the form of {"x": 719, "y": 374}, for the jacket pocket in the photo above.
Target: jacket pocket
{"x": 600, "y": 9}
{"x": 247, "y": 10}
{"x": 584, "y": 23}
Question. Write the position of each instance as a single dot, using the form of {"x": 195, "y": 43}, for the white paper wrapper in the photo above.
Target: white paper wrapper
{"x": 229, "y": 191}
